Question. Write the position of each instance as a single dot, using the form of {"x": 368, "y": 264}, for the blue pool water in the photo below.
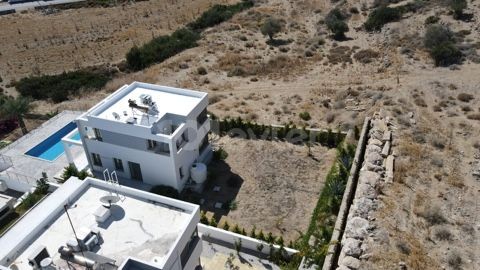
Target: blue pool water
{"x": 52, "y": 147}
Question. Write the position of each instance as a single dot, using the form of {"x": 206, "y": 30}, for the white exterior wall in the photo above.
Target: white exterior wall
{"x": 129, "y": 143}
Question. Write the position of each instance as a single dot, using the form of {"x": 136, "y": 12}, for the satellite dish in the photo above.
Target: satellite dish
{"x": 116, "y": 115}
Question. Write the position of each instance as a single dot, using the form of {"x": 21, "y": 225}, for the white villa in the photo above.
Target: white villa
{"x": 93, "y": 224}
{"x": 149, "y": 133}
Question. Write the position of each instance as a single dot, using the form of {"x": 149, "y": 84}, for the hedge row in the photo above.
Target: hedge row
{"x": 28, "y": 202}
{"x": 383, "y": 15}
{"x": 59, "y": 87}
{"x": 324, "y": 215}
{"x": 161, "y": 48}
{"x": 218, "y": 14}
{"x": 249, "y": 130}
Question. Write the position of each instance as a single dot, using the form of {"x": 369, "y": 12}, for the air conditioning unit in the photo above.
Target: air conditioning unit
{"x": 146, "y": 99}
{"x": 38, "y": 254}
{"x": 92, "y": 242}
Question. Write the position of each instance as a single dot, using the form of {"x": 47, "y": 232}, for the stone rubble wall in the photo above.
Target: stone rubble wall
{"x": 377, "y": 169}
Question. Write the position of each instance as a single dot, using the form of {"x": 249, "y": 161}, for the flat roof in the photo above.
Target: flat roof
{"x": 142, "y": 225}
{"x": 168, "y": 100}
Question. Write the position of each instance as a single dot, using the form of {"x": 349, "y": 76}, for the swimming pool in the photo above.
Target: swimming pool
{"x": 52, "y": 147}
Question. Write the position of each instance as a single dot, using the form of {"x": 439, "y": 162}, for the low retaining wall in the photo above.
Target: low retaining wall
{"x": 377, "y": 169}
{"x": 230, "y": 238}
{"x": 334, "y": 248}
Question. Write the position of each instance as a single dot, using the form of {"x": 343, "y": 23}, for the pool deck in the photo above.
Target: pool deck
{"x": 26, "y": 168}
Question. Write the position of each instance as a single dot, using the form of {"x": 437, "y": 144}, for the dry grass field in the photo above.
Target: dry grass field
{"x": 275, "y": 185}
{"x": 429, "y": 216}
{"x": 35, "y": 43}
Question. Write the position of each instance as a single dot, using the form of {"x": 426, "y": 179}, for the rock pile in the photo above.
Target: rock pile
{"x": 377, "y": 169}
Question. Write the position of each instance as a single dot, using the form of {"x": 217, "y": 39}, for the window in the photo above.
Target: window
{"x": 202, "y": 117}
{"x": 203, "y": 143}
{"x": 98, "y": 134}
{"x": 118, "y": 164}
{"x": 97, "y": 161}
{"x": 151, "y": 144}
{"x": 189, "y": 247}
{"x": 180, "y": 170}
{"x": 185, "y": 136}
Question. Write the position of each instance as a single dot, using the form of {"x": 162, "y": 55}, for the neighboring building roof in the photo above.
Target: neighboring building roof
{"x": 167, "y": 100}
{"x": 142, "y": 225}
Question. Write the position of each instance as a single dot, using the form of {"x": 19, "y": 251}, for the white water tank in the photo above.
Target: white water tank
{"x": 198, "y": 172}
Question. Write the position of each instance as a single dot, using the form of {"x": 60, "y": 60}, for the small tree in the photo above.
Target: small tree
{"x": 42, "y": 186}
{"x": 457, "y": 7}
{"x": 261, "y": 236}
{"x": 271, "y": 27}
{"x": 203, "y": 218}
{"x": 213, "y": 222}
{"x": 252, "y": 232}
{"x": 335, "y": 23}
{"x": 226, "y": 226}
{"x": 17, "y": 108}
{"x": 440, "y": 42}
{"x": 236, "y": 229}
{"x": 270, "y": 238}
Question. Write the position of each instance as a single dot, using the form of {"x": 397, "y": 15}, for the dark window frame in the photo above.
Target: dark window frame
{"x": 118, "y": 164}
{"x": 97, "y": 160}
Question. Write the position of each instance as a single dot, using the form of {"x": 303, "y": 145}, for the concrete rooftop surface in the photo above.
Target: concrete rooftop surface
{"x": 168, "y": 100}
{"x": 138, "y": 227}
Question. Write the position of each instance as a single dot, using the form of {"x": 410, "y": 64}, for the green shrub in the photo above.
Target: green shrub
{"x": 305, "y": 116}
{"x": 271, "y": 27}
{"x": 59, "y": 87}
{"x": 29, "y": 201}
{"x": 226, "y": 226}
{"x": 203, "y": 218}
{"x": 440, "y": 42}
{"x": 161, "y": 48}
{"x": 71, "y": 170}
{"x": 432, "y": 20}
{"x": 202, "y": 71}
{"x": 381, "y": 16}
{"x": 237, "y": 71}
{"x": 446, "y": 54}
{"x": 166, "y": 191}
{"x": 42, "y": 186}
{"x": 218, "y": 14}
{"x": 233, "y": 205}
{"x": 437, "y": 34}
{"x": 213, "y": 222}
{"x": 457, "y": 7}
{"x": 220, "y": 154}
{"x": 335, "y": 23}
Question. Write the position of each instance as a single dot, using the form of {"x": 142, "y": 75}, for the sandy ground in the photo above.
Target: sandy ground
{"x": 340, "y": 93}
{"x": 274, "y": 184}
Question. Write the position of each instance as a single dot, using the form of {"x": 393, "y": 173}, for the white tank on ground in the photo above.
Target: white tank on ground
{"x": 198, "y": 172}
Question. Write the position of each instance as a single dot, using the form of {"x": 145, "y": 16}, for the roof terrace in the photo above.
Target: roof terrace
{"x": 140, "y": 225}
{"x": 145, "y": 104}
